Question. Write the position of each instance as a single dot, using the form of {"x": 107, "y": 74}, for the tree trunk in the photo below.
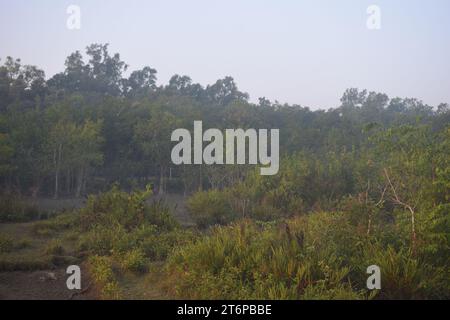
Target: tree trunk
{"x": 79, "y": 183}
{"x": 57, "y": 160}
{"x": 55, "y": 196}
{"x": 161, "y": 181}
{"x": 68, "y": 177}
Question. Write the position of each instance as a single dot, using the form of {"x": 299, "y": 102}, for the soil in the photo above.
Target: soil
{"x": 42, "y": 285}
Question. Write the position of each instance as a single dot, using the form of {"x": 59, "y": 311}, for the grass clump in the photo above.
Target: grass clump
{"x": 102, "y": 272}
{"x": 134, "y": 261}
{"x": 56, "y": 225}
{"x": 55, "y": 247}
{"x": 210, "y": 208}
{"x": 6, "y": 244}
{"x": 15, "y": 209}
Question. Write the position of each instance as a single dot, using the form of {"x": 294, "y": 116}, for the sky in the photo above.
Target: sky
{"x": 299, "y": 52}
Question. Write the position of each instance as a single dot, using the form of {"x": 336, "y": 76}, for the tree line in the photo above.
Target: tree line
{"x": 91, "y": 126}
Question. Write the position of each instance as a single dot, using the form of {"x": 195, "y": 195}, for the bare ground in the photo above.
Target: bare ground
{"x": 42, "y": 285}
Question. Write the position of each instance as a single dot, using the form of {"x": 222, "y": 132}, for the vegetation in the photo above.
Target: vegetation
{"x": 366, "y": 183}
{"x": 320, "y": 256}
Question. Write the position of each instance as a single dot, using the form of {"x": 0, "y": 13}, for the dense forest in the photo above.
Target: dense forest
{"x": 366, "y": 182}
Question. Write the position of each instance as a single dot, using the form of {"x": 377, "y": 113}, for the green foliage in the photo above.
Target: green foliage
{"x": 134, "y": 260}
{"x": 365, "y": 183}
{"x": 210, "y": 208}
{"x": 404, "y": 276}
{"x": 55, "y": 225}
{"x": 102, "y": 272}
{"x": 55, "y": 247}
{"x": 125, "y": 227}
{"x": 321, "y": 256}
{"x": 127, "y": 210}
{"x": 158, "y": 246}
{"x": 6, "y": 244}
{"x": 15, "y": 209}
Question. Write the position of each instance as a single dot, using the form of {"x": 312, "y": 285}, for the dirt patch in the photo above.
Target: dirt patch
{"x": 42, "y": 285}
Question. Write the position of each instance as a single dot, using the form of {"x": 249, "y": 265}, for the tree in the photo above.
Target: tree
{"x": 225, "y": 91}
{"x": 153, "y": 138}
{"x": 74, "y": 148}
{"x": 141, "y": 81}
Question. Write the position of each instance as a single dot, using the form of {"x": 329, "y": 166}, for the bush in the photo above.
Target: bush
{"x": 158, "y": 214}
{"x": 55, "y": 247}
{"x": 103, "y": 275}
{"x": 124, "y": 226}
{"x": 134, "y": 261}
{"x": 158, "y": 246}
{"x": 210, "y": 208}
{"x": 130, "y": 211}
{"x": 103, "y": 239}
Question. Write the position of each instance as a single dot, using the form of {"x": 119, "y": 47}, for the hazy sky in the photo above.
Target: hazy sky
{"x": 304, "y": 52}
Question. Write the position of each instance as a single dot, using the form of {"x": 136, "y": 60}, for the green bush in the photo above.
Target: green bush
{"x": 104, "y": 239}
{"x": 158, "y": 214}
{"x": 102, "y": 272}
{"x": 210, "y": 208}
{"x": 134, "y": 261}
{"x": 130, "y": 210}
{"x": 158, "y": 246}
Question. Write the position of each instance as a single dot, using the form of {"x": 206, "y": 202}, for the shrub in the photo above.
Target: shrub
{"x": 114, "y": 207}
{"x": 103, "y": 275}
{"x": 210, "y": 208}
{"x": 55, "y": 247}
{"x": 103, "y": 239}
{"x": 134, "y": 261}
{"x": 158, "y": 214}
{"x": 130, "y": 211}
{"x": 158, "y": 246}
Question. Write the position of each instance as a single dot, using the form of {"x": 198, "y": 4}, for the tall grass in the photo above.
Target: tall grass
{"x": 320, "y": 256}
